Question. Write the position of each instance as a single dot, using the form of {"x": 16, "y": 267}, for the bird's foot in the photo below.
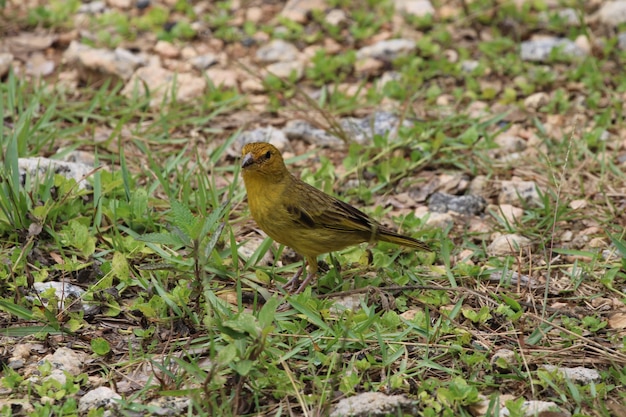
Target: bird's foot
{"x": 294, "y": 282}
{"x": 304, "y": 284}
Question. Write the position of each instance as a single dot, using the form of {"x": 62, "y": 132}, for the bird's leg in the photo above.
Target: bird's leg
{"x": 295, "y": 281}
{"x": 312, "y": 273}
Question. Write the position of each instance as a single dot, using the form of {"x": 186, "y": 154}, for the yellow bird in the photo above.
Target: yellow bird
{"x": 302, "y": 217}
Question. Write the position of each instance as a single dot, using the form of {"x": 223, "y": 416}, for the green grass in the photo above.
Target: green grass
{"x": 154, "y": 238}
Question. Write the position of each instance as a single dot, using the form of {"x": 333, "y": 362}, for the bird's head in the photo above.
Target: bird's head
{"x": 260, "y": 159}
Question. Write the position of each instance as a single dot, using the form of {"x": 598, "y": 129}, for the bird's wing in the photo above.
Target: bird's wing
{"x": 320, "y": 210}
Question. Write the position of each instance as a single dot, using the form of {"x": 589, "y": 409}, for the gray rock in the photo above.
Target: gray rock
{"x": 578, "y": 374}
{"x": 373, "y": 404}
{"x": 303, "y": 130}
{"x": 381, "y": 123}
{"x": 387, "y": 50}
{"x": 536, "y": 408}
{"x": 277, "y": 51}
{"x": 69, "y": 295}
{"x": 469, "y": 205}
{"x": 40, "y": 167}
{"x": 99, "y": 397}
{"x": 612, "y": 13}
{"x": 541, "y": 49}
{"x": 568, "y": 15}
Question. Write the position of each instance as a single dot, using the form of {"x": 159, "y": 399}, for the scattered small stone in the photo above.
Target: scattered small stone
{"x": 66, "y": 359}
{"x": 418, "y": 8}
{"x": 40, "y": 167}
{"x": 29, "y": 42}
{"x": 469, "y": 205}
{"x": 298, "y": 10}
{"x": 617, "y": 321}
{"x": 515, "y": 191}
{"x": 367, "y": 67}
{"x": 254, "y": 14}
{"x": 380, "y": 123}
{"x": 169, "y": 406}
{"x": 336, "y": 17}
{"x": 222, "y": 78}
{"x": 160, "y": 81}
{"x": 99, "y": 397}
{"x": 6, "y": 59}
{"x": 252, "y": 85}
{"x": 348, "y": 303}
{"x": 263, "y": 134}
{"x": 538, "y": 408}
{"x": 621, "y": 40}
{"x": 302, "y": 130}
{"x": 97, "y": 64}
{"x": 542, "y": 49}
{"x": 536, "y": 101}
{"x": 95, "y": 7}
{"x": 568, "y": 15}
{"x": 142, "y": 4}
{"x": 612, "y": 13}
{"x": 120, "y": 4}
{"x": 39, "y": 66}
{"x": 506, "y": 355}
{"x": 286, "y": 69}
{"x": 387, "y": 50}
{"x": 510, "y": 143}
{"x": 510, "y": 244}
{"x": 166, "y": 49}
{"x": 509, "y": 213}
{"x": 250, "y": 245}
{"x": 469, "y": 65}
{"x": 578, "y": 374}
{"x": 69, "y": 295}
{"x": 514, "y": 278}
{"x": 204, "y": 61}
{"x": 276, "y": 51}
{"x": 373, "y": 404}
{"x": 439, "y": 220}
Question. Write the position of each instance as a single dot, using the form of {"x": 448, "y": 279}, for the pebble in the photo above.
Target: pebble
{"x": 40, "y": 167}
{"x": 204, "y": 61}
{"x": 287, "y": 69}
{"x": 275, "y": 51}
{"x": 373, "y": 403}
{"x": 387, "y": 50}
{"x": 96, "y": 64}
{"x": 299, "y": 10}
{"x": 298, "y": 129}
{"x": 166, "y": 49}
{"x": 542, "y": 49}
{"x": 100, "y": 397}
{"x": 418, "y": 8}
{"x": 510, "y": 244}
{"x": 160, "y": 80}
{"x": 469, "y": 205}
{"x": 6, "y": 59}
{"x": 95, "y": 7}
{"x": 536, "y": 101}
{"x": 336, "y": 17}
{"x": 612, "y": 13}
{"x": 263, "y": 134}
{"x": 515, "y": 191}
{"x": 506, "y": 355}
{"x": 577, "y": 374}
{"x": 510, "y": 213}
{"x": 222, "y": 78}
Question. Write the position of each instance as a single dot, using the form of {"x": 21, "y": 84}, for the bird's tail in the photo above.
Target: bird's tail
{"x": 388, "y": 236}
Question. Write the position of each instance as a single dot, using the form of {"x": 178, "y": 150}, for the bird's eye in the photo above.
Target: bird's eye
{"x": 268, "y": 154}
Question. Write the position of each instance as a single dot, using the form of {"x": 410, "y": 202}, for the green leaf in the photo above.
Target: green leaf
{"x": 100, "y": 346}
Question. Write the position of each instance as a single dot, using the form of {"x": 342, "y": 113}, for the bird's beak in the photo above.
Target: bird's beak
{"x": 247, "y": 160}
